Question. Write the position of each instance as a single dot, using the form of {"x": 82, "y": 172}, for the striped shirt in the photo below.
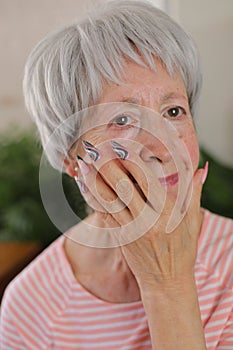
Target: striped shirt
{"x": 45, "y": 307}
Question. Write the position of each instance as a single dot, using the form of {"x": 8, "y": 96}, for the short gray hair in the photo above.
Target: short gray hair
{"x": 65, "y": 71}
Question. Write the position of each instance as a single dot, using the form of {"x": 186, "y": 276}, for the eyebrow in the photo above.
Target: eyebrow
{"x": 171, "y": 96}
{"x": 131, "y": 100}
{"x": 167, "y": 97}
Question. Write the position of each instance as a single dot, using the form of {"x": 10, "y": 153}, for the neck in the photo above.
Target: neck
{"x": 102, "y": 271}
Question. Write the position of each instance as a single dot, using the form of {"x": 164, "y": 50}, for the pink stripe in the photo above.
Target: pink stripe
{"x": 47, "y": 300}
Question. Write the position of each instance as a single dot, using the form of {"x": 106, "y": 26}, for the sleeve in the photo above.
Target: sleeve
{"x": 9, "y": 336}
{"x": 226, "y": 339}
{"x": 21, "y": 328}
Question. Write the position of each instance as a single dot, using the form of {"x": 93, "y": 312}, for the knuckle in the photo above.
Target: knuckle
{"x": 106, "y": 197}
{"x": 115, "y": 206}
{"x": 108, "y": 219}
{"x": 124, "y": 189}
{"x": 106, "y": 168}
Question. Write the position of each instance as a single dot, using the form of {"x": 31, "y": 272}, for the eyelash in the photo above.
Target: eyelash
{"x": 128, "y": 125}
{"x": 183, "y": 112}
{"x": 131, "y": 124}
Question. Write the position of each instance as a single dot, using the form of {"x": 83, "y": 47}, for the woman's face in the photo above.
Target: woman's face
{"x": 162, "y": 129}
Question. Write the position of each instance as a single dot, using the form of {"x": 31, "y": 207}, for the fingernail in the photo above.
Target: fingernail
{"x": 76, "y": 171}
{"x": 84, "y": 168}
{"x": 81, "y": 185}
{"x": 78, "y": 157}
{"x": 91, "y": 150}
{"x": 120, "y": 151}
{"x": 205, "y": 172}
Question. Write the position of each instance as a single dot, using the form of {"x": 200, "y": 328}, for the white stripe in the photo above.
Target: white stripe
{"x": 219, "y": 312}
{"x": 216, "y": 302}
{"x": 229, "y": 248}
{"x": 228, "y": 330}
{"x": 36, "y": 294}
{"x": 56, "y": 300}
{"x": 228, "y": 270}
{"x": 81, "y": 328}
{"x": 136, "y": 346}
{"x": 56, "y": 264}
{"x": 107, "y": 317}
{"x": 24, "y": 325}
{"x": 86, "y": 337}
{"x": 211, "y": 334}
{"x": 201, "y": 274}
{"x": 212, "y": 344}
{"x": 205, "y": 237}
{"x": 209, "y": 286}
{"x": 108, "y": 307}
{"x": 219, "y": 322}
{"x": 35, "y": 313}
{"x": 211, "y": 295}
{"x": 11, "y": 335}
{"x": 91, "y": 345}
{"x": 220, "y": 242}
{"x": 214, "y": 238}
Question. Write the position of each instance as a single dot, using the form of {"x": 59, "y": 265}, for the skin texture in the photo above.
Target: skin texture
{"x": 157, "y": 267}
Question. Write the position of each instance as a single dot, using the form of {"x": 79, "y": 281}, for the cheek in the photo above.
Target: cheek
{"x": 192, "y": 146}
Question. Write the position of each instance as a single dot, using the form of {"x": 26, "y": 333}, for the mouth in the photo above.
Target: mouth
{"x": 170, "y": 180}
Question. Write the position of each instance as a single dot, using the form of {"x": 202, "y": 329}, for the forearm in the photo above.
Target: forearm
{"x": 174, "y": 319}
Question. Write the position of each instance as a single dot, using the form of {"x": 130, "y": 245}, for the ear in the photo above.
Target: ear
{"x": 70, "y": 165}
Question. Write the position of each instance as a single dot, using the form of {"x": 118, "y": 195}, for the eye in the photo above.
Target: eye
{"x": 124, "y": 123}
{"x": 122, "y": 120}
{"x": 175, "y": 112}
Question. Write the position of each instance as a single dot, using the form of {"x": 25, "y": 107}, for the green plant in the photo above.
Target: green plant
{"x": 22, "y": 215}
{"x": 217, "y": 192}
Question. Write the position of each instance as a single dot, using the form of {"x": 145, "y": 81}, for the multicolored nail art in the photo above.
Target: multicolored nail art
{"x": 83, "y": 188}
{"x": 78, "y": 157}
{"x": 205, "y": 173}
{"x": 91, "y": 150}
{"x": 83, "y": 167}
{"x": 120, "y": 151}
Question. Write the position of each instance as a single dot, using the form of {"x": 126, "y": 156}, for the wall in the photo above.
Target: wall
{"x": 211, "y": 24}
{"x": 24, "y": 22}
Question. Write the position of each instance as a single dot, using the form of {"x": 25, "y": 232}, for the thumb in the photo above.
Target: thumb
{"x": 198, "y": 182}
{"x": 205, "y": 173}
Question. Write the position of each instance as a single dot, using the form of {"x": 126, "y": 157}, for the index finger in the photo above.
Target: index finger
{"x": 132, "y": 168}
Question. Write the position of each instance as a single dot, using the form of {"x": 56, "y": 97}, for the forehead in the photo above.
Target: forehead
{"x": 143, "y": 85}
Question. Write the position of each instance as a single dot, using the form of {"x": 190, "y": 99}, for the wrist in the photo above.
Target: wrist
{"x": 169, "y": 290}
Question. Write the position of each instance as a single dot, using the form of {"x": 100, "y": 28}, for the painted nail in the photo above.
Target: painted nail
{"x": 76, "y": 169}
{"x": 119, "y": 150}
{"x": 81, "y": 185}
{"x": 91, "y": 150}
{"x": 205, "y": 172}
{"x": 84, "y": 168}
{"x": 78, "y": 157}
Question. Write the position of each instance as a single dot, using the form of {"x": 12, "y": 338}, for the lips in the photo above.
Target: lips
{"x": 170, "y": 180}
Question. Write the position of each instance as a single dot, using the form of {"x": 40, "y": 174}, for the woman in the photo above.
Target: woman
{"x": 165, "y": 281}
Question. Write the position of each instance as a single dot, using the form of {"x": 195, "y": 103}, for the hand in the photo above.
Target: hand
{"x": 154, "y": 257}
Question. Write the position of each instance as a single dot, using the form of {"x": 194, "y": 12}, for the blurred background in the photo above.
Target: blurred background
{"x": 25, "y": 228}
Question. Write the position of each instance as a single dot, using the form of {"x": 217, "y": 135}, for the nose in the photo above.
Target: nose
{"x": 154, "y": 148}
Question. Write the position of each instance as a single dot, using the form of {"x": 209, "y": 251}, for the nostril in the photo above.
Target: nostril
{"x": 155, "y": 158}
{"x": 155, "y": 150}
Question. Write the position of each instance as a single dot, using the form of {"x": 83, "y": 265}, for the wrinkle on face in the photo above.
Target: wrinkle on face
{"x": 156, "y": 91}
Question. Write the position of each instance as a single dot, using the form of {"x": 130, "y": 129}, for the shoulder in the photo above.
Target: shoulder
{"x": 40, "y": 290}
{"x": 215, "y": 246}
